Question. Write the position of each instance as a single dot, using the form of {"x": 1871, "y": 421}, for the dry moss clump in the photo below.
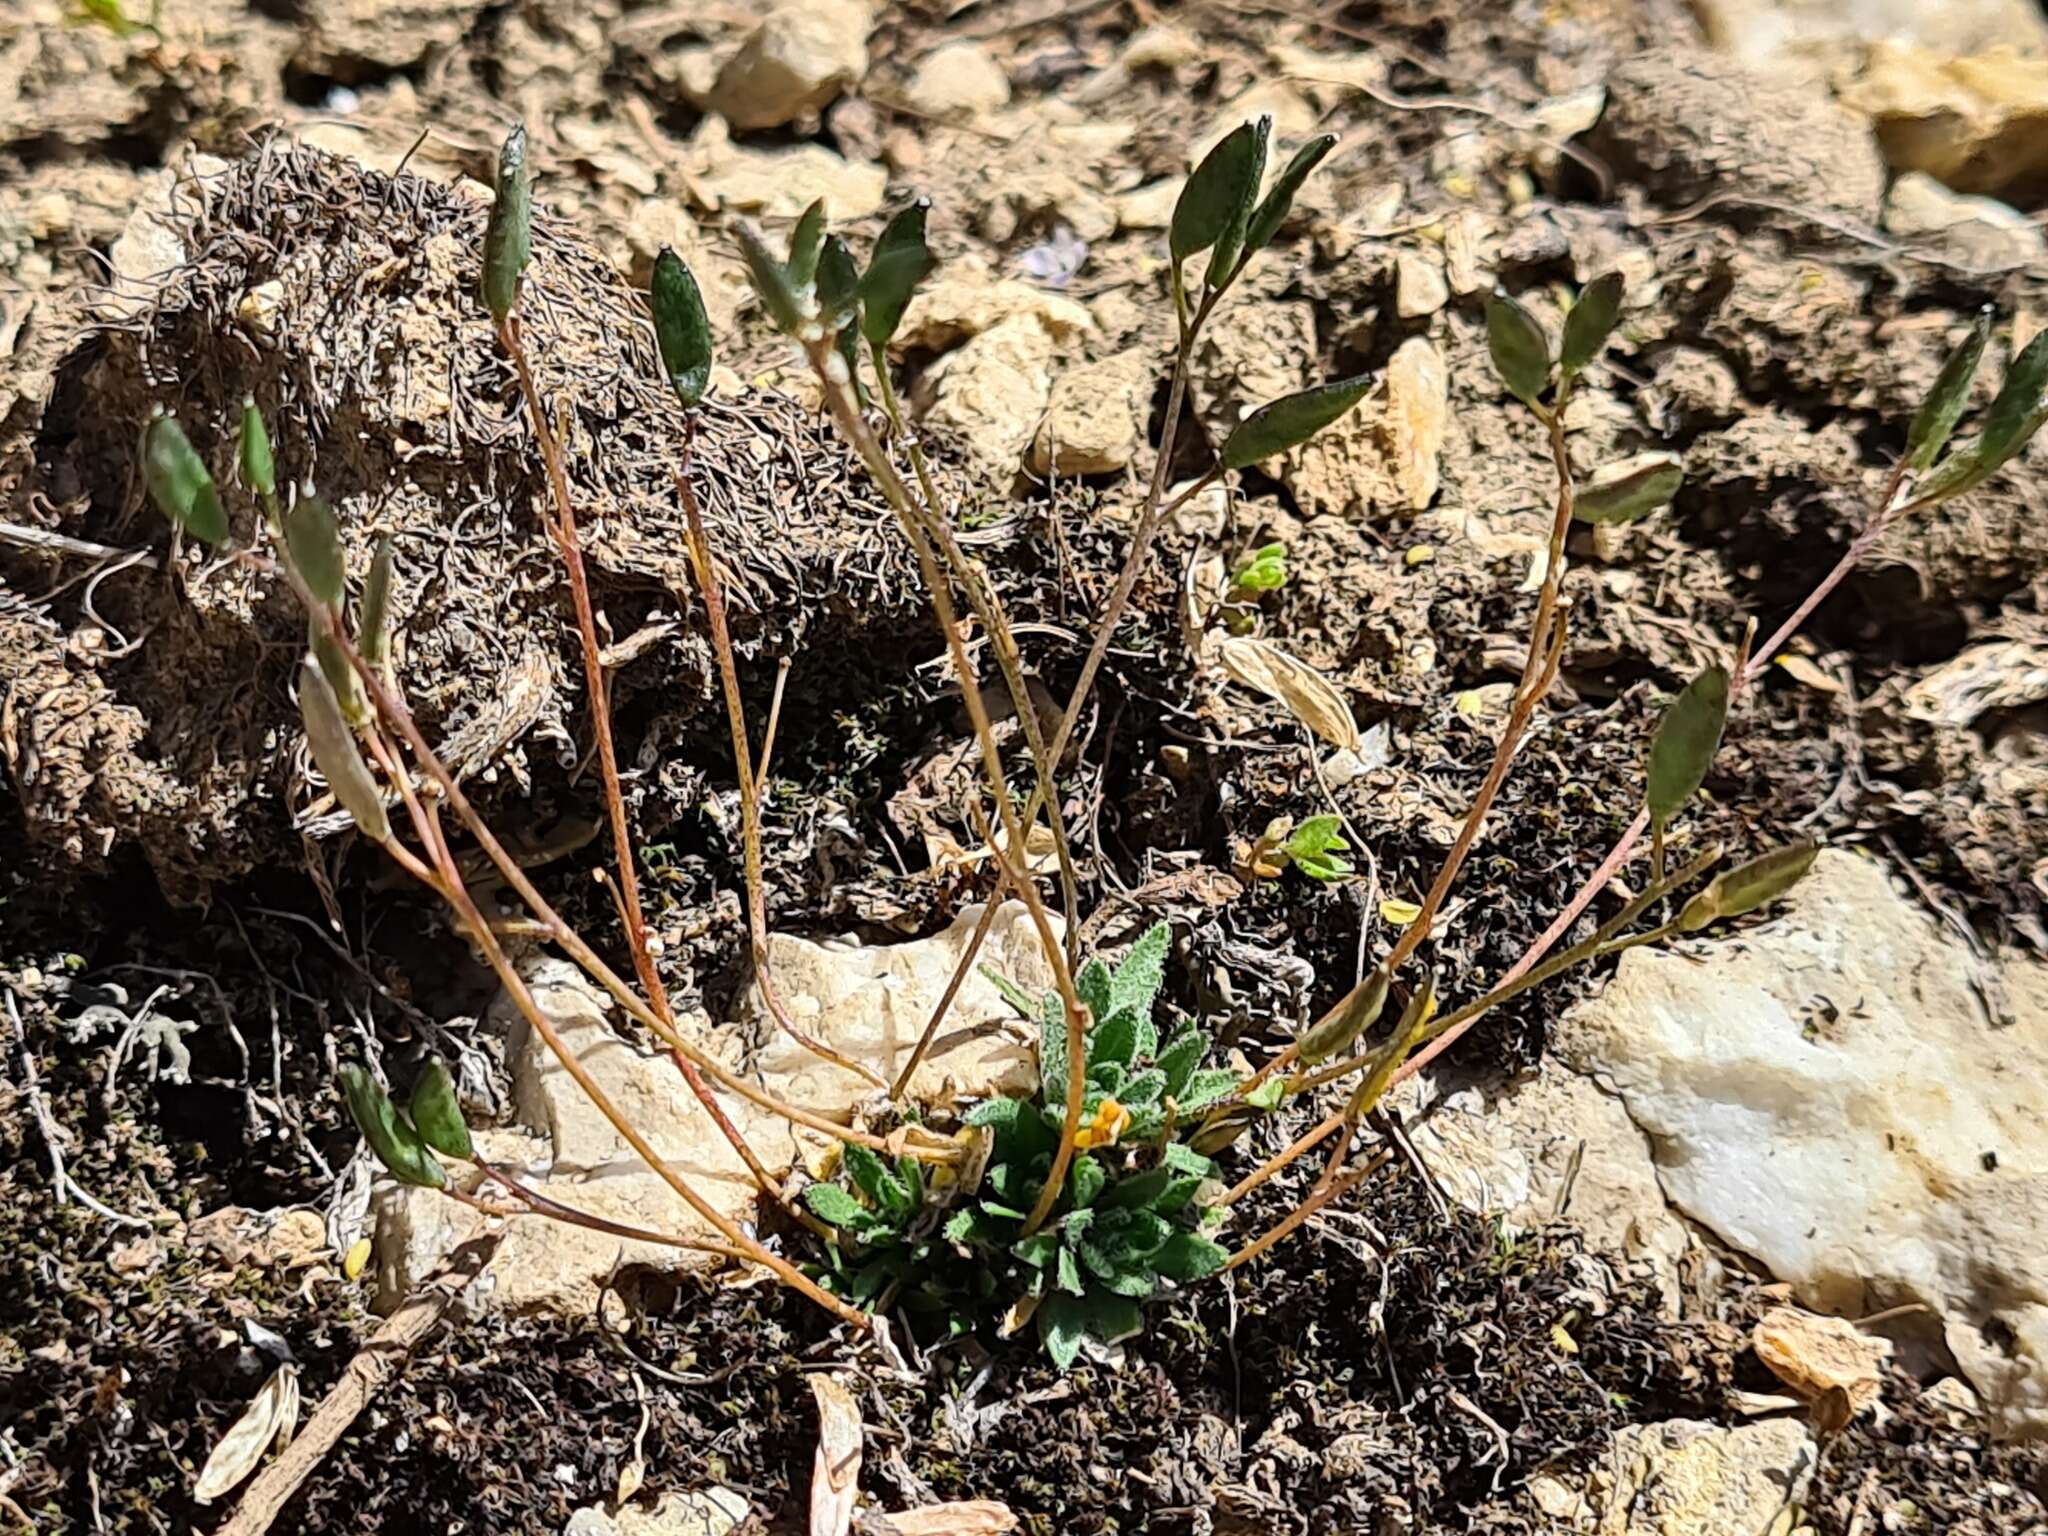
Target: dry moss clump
{"x": 346, "y": 303}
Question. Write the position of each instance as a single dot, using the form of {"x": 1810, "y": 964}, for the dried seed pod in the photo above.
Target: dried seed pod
{"x": 336, "y": 754}
{"x": 1352, "y": 1017}
{"x": 1749, "y": 886}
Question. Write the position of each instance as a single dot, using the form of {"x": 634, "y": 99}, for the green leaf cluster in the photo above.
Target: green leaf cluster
{"x": 405, "y": 1142}
{"x": 1316, "y": 848}
{"x": 1129, "y": 1221}
{"x": 820, "y": 290}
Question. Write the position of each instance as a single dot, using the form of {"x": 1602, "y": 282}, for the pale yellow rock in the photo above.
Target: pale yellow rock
{"x": 1420, "y": 288}
{"x": 794, "y": 64}
{"x": 1816, "y": 1355}
{"x": 870, "y": 1004}
{"x": 777, "y": 183}
{"x": 1822, "y": 31}
{"x": 959, "y": 79}
{"x": 1386, "y": 453}
{"x": 1851, "y": 1097}
{"x": 1554, "y": 1147}
{"x": 1149, "y": 207}
{"x": 151, "y": 247}
{"x": 1417, "y": 414}
{"x": 1976, "y": 124}
{"x": 1095, "y": 418}
{"x": 1976, "y": 231}
{"x": 967, "y": 301}
{"x": 873, "y": 1002}
{"x": 1683, "y": 1478}
{"x": 991, "y": 393}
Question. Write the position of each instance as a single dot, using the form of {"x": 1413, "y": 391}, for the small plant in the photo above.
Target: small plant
{"x": 1076, "y": 1204}
{"x": 1132, "y": 1218}
{"x": 1316, "y": 847}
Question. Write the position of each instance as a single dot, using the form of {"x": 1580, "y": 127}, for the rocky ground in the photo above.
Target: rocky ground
{"x": 1607, "y": 1292}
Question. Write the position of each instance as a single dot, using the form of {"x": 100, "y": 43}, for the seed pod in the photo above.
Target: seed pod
{"x": 1221, "y": 187}
{"x": 771, "y": 282}
{"x": 314, "y": 546}
{"x": 179, "y": 482}
{"x": 508, "y": 237}
{"x": 805, "y": 242}
{"x": 1521, "y": 352}
{"x": 1687, "y": 739}
{"x": 1749, "y": 886}
{"x": 899, "y": 262}
{"x": 1946, "y": 401}
{"x": 395, "y": 1143}
{"x": 1590, "y": 322}
{"x": 1272, "y": 211}
{"x": 2017, "y": 412}
{"x": 373, "y": 621}
{"x": 1629, "y": 489}
{"x": 259, "y": 473}
{"x": 336, "y": 754}
{"x": 1281, "y": 424}
{"x": 682, "y": 329}
{"x": 436, "y": 1112}
{"x": 1352, "y": 1017}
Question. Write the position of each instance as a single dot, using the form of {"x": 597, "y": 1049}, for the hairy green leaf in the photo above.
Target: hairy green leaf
{"x": 1687, "y": 739}
{"x": 682, "y": 329}
{"x": 1589, "y": 323}
{"x": 1205, "y": 1088}
{"x": 1135, "y": 982}
{"x": 1141, "y": 1089}
{"x": 1052, "y": 1051}
{"x": 314, "y": 545}
{"x": 508, "y": 237}
{"x": 259, "y": 471}
{"x": 335, "y": 753}
{"x": 1091, "y": 983}
{"x": 437, "y": 1113}
{"x": 1182, "y": 1055}
{"x": 837, "y": 1207}
{"x": 1629, "y": 489}
{"x": 1521, "y": 352}
{"x": 396, "y": 1144}
{"x": 179, "y": 482}
{"x": 1749, "y": 886}
{"x": 1067, "y": 1275}
{"x": 1085, "y": 1178}
{"x": 1281, "y": 424}
{"x": 1950, "y": 396}
{"x": 1219, "y": 191}
{"x": 875, "y": 1179}
{"x": 1114, "y": 1040}
{"x": 1062, "y": 1325}
{"x": 1189, "y": 1256}
{"x": 1271, "y": 213}
{"x": 900, "y": 261}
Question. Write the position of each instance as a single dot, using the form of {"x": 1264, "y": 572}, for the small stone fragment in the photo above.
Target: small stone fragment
{"x": 1419, "y": 286}
{"x": 1094, "y": 420}
{"x": 794, "y": 64}
{"x": 960, "y": 79}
